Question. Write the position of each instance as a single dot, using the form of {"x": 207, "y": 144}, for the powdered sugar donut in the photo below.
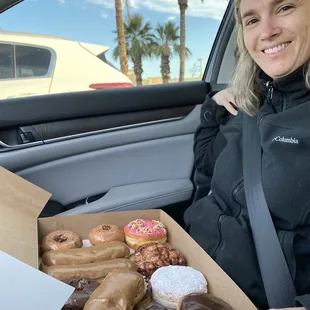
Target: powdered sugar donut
{"x": 171, "y": 283}
{"x": 140, "y": 231}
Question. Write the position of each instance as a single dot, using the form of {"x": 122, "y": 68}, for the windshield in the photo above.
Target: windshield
{"x": 54, "y": 46}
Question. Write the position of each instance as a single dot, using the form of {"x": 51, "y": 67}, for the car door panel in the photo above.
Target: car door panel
{"x": 88, "y": 174}
{"x": 113, "y": 155}
{"x": 77, "y": 105}
{"x": 64, "y": 129}
{"x": 21, "y": 159}
{"x": 147, "y": 195}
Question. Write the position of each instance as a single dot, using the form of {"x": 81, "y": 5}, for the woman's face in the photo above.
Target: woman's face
{"x": 277, "y": 34}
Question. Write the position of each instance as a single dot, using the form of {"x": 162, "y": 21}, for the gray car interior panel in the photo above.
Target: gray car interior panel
{"x": 97, "y": 172}
{"x": 22, "y": 159}
{"x": 21, "y": 136}
{"x": 148, "y": 195}
{"x": 60, "y": 129}
{"x": 68, "y": 106}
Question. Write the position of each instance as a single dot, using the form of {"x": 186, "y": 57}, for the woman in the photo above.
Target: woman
{"x": 272, "y": 82}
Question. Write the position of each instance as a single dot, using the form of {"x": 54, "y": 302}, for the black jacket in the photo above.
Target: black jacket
{"x": 219, "y": 221}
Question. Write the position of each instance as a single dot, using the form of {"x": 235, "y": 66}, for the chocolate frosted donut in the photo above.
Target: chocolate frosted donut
{"x": 61, "y": 239}
{"x": 106, "y": 233}
{"x": 83, "y": 290}
{"x": 202, "y": 301}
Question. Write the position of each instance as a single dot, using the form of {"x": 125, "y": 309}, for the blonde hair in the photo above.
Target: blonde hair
{"x": 243, "y": 79}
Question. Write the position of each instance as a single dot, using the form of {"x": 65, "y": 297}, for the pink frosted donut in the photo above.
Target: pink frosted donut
{"x": 141, "y": 231}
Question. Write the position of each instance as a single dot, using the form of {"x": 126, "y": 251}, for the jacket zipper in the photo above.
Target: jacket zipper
{"x": 270, "y": 92}
{"x": 219, "y": 224}
{"x": 270, "y": 87}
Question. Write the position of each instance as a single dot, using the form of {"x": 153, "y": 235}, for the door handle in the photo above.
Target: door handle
{"x": 4, "y": 147}
{"x": 28, "y": 137}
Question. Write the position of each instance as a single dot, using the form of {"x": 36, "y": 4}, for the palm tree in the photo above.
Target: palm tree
{"x": 121, "y": 36}
{"x": 127, "y": 5}
{"x": 140, "y": 44}
{"x": 167, "y": 44}
{"x": 183, "y": 4}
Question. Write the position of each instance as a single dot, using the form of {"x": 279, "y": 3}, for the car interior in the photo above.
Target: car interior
{"x": 114, "y": 149}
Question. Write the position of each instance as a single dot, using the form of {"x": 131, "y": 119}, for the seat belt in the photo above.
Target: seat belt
{"x": 277, "y": 280}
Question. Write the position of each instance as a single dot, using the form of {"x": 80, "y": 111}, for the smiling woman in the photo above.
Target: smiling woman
{"x": 274, "y": 37}
{"x": 270, "y": 89}
{"x": 101, "y": 44}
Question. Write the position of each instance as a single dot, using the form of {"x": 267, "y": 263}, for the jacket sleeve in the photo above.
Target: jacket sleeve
{"x": 208, "y": 144}
{"x": 208, "y": 139}
{"x": 303, "y": 301}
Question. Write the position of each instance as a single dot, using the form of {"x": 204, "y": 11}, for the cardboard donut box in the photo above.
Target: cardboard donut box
{"x": 21, "y": 231}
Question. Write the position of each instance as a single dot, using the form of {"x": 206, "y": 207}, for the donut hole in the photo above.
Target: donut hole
{"x": 106, "y": 227}
{"x": 60, "y": 238}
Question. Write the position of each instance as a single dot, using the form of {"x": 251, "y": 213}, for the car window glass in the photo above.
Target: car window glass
{"x": 229, "y": 60}
{"x": 6, "y": 61}
{"x": 31, "y": 61}
{"x": 85, "y": 45}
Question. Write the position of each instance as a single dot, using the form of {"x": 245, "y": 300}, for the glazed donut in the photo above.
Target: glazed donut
{"x": 83, "y": 290}
{"x": 171, "y": 283}
{"x": 106, "y": 233}
{"x": 61, "y": 239}
{"x": 141, "y": 231}
{"x": 202, "y": 301}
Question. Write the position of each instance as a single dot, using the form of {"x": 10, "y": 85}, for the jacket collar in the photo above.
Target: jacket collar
{"x": 285, "y": 92}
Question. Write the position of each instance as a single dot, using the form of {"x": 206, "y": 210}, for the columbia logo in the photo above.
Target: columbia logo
{"x": 286, "y": 140}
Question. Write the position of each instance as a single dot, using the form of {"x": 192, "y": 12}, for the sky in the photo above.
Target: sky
{"x": 93, "y": 21}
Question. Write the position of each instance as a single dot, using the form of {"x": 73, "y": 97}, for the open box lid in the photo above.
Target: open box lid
{"x": 21, "y": 202}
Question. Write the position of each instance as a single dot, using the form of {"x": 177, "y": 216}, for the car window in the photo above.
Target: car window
{"x": 31, "y": 61}
{"x": 6, "y": 61}
{"x": 87, "y": 45}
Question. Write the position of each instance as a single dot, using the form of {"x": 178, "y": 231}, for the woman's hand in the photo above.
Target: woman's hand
{"x": 226, "y": 99}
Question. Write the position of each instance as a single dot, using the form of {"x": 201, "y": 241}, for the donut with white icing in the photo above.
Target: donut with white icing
{"x": 140, "y": 231}
{"x": 171, "y": 283}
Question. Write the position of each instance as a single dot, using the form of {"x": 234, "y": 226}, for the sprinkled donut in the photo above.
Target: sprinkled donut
{"x": 61, "y": 239}
{"x": 171, "y": 283}
{"x": 140, "y": 231}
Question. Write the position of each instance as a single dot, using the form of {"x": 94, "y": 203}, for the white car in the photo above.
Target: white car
{"x": 32, "y": 64}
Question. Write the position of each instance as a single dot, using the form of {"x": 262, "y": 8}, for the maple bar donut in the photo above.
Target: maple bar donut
{"x": 119, "y": 290}
{"x": 171, "y": 283}
{"x": 202, "y": 301}
{"x": 93, "y": 254}
{"x": 106, "y": 233}
{"x": 141, "y": 231}
{"x": 92, "y": 271}
{"x": 61, "y": 239}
